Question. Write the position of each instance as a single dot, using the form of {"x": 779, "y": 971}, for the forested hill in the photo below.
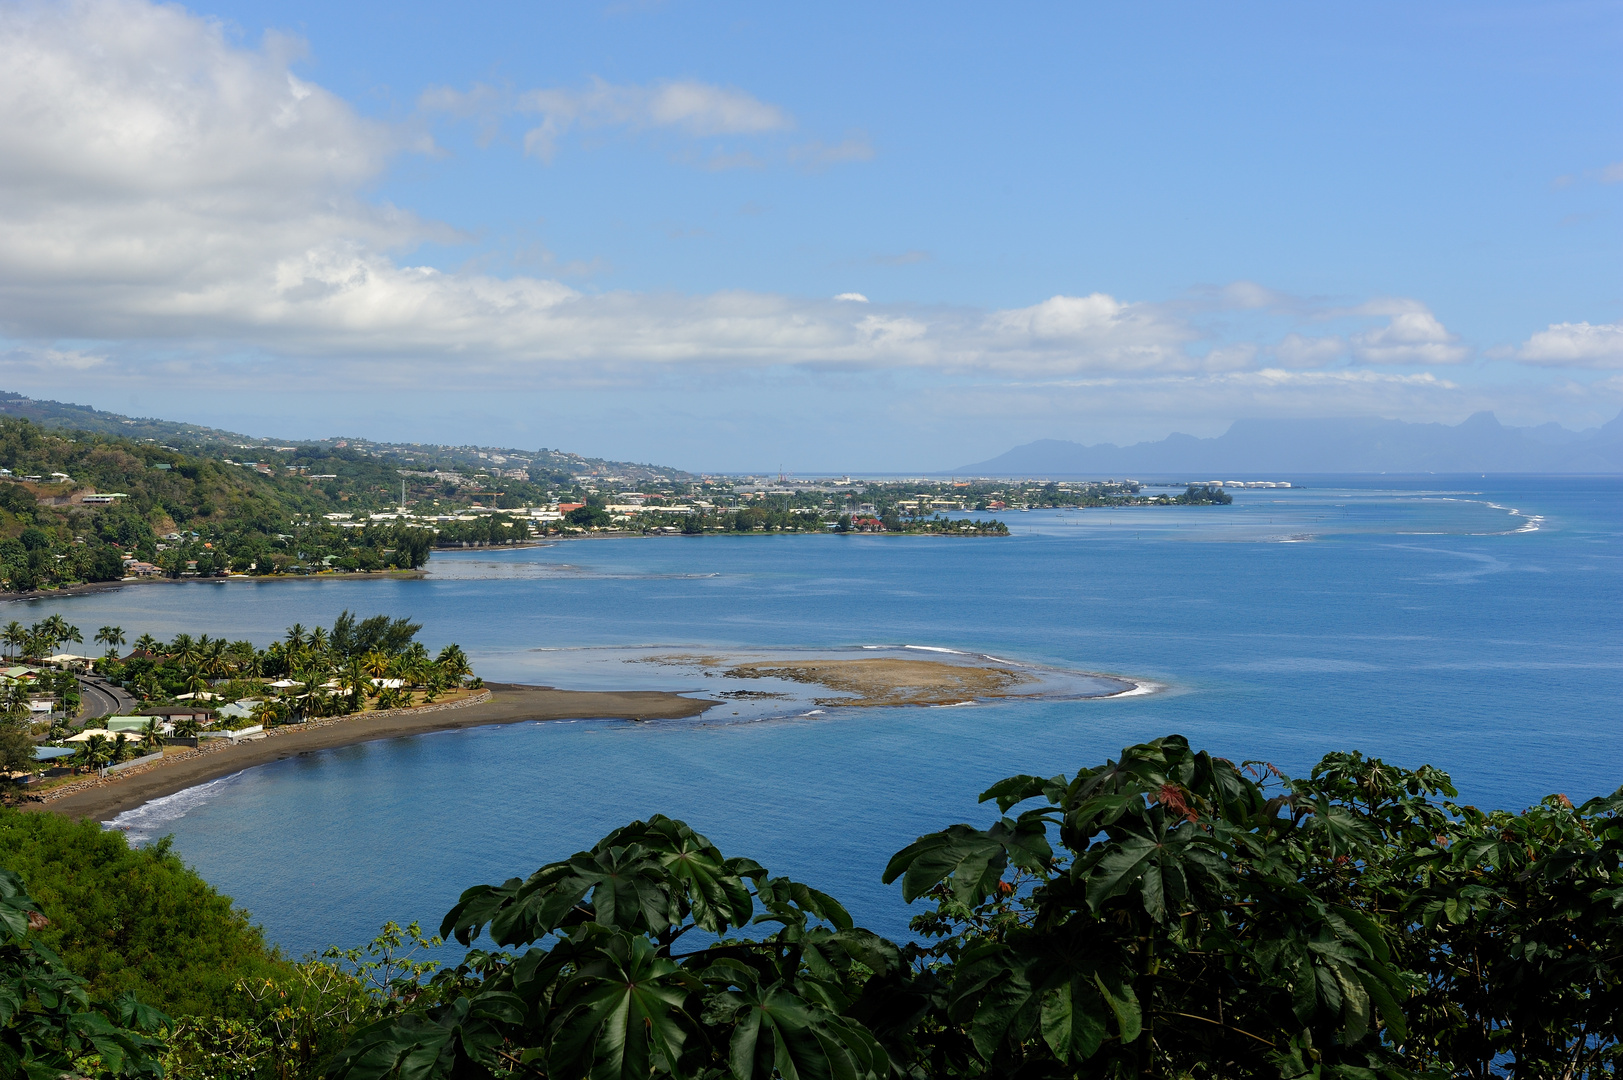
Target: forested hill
{"x": 76, "y": 505}
{"x": 554, "y": 467}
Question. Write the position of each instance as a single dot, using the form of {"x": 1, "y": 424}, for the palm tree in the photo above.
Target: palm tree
{"x": 112, "y": 637}
{"x": 295, "y": 636}
{"x": 183, "y": 649}
{"x": 454, "y": 662}
{"x": 244, "y": 658}
{"x": 356, "y": 682}
{"x": 416, "y": 671}
{"x": 48, "y": 631}
{"x": 39, "y": 643}
{"x": 265, "y": 713}
{"x": 188, "y": 728}
{"x": 14, "y": 636}
{"x": 318, "y": 640}
{"x": 195, "y": 683}
{"x": 151, "y": 737}
{"x": 121, "y": 747}
{"x": 215, "y": 662}
{"x": 71, "y": 633}
{"x": 95, "y": 752}
{"x": 148, "y": 644}
{"x": 376, "y": 663}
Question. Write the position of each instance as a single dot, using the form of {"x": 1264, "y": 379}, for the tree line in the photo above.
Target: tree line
{"x": 355, "y": 665}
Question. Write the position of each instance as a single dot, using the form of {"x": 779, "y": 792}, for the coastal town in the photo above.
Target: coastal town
{"x": 86, "y": 505}
{"x": 65, "y": 714}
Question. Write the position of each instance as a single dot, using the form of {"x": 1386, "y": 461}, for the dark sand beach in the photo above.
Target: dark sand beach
{"x": 508, "y": 704}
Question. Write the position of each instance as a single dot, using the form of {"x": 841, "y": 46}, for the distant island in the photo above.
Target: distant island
{"x": 1480, "y": 444}
{"x": 126, "y": 499}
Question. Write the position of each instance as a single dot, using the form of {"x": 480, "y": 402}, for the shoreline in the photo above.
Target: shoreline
{"x": 87, "y": 587}
{"x": 508, "y": 703}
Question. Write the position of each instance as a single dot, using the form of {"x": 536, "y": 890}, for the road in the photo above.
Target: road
{"x": 103, "y": 699}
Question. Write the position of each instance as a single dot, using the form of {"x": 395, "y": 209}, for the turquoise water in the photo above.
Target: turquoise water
{"x": 1474, "y": 625}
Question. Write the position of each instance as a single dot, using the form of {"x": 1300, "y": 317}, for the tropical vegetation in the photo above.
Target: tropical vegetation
{"x": 1164, "y": 914}
{"x": 311, "y": 672}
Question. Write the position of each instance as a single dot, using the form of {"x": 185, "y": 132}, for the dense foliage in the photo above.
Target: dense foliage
{"x": 190, "y": 515}
{"x": 131, "y": 920}
{"x": 1169, "y": 914}
{"x": 49, "y": 1027}
{"x": 309, "y": 673}
{"x": 1204, "y": 495}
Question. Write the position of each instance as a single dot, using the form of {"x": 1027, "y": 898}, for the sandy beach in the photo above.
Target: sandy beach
{"x": 891, "y": 682}
{"x": 508, "y": 704}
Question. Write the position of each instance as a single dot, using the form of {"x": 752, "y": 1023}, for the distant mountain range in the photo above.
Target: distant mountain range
{"x": 1481, "y": 444}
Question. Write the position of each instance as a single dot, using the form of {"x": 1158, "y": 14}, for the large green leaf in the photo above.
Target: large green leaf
{"x": 621, "y": 1013}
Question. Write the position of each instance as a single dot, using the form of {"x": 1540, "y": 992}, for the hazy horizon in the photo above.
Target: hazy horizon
{"x": 841, "y": 239}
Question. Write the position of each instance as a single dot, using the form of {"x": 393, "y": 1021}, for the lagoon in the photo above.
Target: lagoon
{"x": 1475, "y": 624}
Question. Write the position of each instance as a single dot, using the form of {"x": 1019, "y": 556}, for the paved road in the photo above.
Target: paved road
{"x": 103, "y": 699}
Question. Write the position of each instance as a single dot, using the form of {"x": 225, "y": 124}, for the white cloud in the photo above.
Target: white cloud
{"x": 1084, "y": 333}
{"x": 174, "y": 195}
{"x": 695, "y": 108}
{"x": 1297, "y": 351}
{"x": 1579, "y": 344}
{"x": 161, "y": 185}
{"x": 145, "y": 161}
{"x": 1412, "y": 335}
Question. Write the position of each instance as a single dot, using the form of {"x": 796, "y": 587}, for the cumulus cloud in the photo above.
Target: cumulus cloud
{"x": 1579, "y": 344}
{"x": 172, "y": 193}
{"x": 159, "y": 183}
{"x": 145, "y": 160}
{"x": 1412, "y": 335}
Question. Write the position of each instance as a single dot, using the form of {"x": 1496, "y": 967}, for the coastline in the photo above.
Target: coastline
{"x": 86, "y": 587}
{"x": 508, "y": 703}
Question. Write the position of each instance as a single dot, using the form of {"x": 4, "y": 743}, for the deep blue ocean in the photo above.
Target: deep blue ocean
{"x": 1472, "y": 624}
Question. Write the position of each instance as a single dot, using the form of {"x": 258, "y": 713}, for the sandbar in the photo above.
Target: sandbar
{"x": 508, "y": 704}
{"x": 887, "y": 681}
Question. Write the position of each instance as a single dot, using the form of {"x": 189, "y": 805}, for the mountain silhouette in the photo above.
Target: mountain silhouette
{"x": 1480, "y": 444}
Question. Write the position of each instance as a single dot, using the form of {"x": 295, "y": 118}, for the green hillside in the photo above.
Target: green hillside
{"x": 550, "y": 467}
{"x": 86, "y": 491}
{"x": 77, "y": 505}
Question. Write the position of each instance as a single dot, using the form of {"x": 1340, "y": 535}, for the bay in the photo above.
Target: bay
{"x": 1473, "y": 624}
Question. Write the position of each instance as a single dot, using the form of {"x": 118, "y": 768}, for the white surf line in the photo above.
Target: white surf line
{"x": 142, "y": 820}
{"x": 1530, "y": 522}
{"x": 1139, "y": 690}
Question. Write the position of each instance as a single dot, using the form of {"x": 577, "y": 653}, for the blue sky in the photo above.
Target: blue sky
{"x": 621, "y": 228}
